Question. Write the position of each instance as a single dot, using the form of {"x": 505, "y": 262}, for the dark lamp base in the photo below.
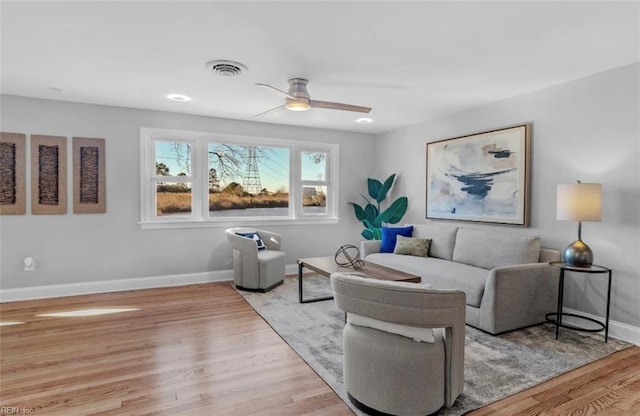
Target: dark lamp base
{"x": 578, "y": 254}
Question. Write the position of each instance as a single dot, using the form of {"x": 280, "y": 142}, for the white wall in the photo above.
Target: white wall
{"x": 88, "y": 248}
{"x": 588, "y": 130}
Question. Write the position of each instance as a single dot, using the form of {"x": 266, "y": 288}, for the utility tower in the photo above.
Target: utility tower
{"x": 251, "y": 182}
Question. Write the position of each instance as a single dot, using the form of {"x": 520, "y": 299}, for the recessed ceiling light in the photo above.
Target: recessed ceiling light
{"x": 364, "y": 120}
{"x": 178, "y": 97}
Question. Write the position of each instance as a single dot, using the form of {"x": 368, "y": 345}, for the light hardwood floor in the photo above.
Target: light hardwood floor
{"x": 192, "y": 350}
{"x": 202, "y": 350}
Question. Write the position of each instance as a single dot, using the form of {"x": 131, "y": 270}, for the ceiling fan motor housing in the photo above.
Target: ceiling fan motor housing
{"x": 298, "y": 88}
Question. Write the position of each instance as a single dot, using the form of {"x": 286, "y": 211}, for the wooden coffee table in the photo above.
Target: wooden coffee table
{"x": 327, "y": 265}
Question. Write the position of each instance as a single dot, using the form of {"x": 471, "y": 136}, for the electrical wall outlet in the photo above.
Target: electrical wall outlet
{"x": 29, "y": 264}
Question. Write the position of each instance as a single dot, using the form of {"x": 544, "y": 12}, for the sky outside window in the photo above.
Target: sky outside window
{"x": 314, "y": 166}
{"x": 175, "y": 156}
{"x": 272, "y": 163}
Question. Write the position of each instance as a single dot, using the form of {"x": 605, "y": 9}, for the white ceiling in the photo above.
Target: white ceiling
{"x": 409, "y": 61}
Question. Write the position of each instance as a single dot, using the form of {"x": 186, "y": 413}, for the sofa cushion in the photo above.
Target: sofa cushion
{"x": 440, "y": 274}
{"x": 412, "y": 246}
{"x": 490, "y": 249}
{"x": 389, "y": 237}
{"x": 443, "y": 238}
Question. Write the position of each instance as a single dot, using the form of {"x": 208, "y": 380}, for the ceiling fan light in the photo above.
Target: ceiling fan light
{"x": 297, "y": 105}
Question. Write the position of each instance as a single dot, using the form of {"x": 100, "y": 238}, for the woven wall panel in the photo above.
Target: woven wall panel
{"x": 89, "y": 182}
{"x": 12, "y": 173}
{"x": 48, "y": 174}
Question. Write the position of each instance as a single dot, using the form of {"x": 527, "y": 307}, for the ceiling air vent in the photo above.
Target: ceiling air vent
{"x": 226, "y": 68}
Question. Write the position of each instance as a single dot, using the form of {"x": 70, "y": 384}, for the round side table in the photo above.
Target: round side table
{"x": 593, "y": 269}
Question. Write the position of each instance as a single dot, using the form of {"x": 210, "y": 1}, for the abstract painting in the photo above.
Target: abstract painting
{"x": 483, "y": 177}
{"x": 12, "y": 173}
{"x": 89, "y": 186}
{"x": 48, "y": 174}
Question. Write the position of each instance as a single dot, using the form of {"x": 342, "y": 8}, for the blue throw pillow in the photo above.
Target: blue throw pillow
{"x": 255, "y": 237}
{"x": 389, "y": 235}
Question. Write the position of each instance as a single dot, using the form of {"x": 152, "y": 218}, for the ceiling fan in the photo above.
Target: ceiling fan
{"x": 298, "y": 99}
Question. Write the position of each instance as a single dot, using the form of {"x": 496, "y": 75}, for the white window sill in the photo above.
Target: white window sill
{"x": 156, "y": 225}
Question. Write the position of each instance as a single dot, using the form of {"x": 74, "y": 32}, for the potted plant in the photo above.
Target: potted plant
{"x": 372, "y": 215}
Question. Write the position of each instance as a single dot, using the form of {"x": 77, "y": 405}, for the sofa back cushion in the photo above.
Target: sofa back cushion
{"x": 490, "y": 249}
{"x": 443, "y": 238}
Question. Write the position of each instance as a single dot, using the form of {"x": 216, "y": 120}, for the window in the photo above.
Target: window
{"x": 190, "y": 178}
{"x": 313, "y": 181}
{"x": 172, "y": 180}
{"x": 248, "y": 181}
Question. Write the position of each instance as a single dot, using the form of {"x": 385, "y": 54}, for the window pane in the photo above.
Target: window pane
{"x": 314, "y": 166}
{"x": 173, "y": 199}
{"x": 173, "y": 159}
{"x": 314, "y": 199}
{"x": 248, "y": 181}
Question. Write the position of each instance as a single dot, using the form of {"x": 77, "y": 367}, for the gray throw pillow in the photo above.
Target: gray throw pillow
{"x": 412, "y": 246}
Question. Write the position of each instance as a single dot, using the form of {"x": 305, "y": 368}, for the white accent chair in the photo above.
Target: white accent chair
{"x": 253, "y": 269}
{"x": 385, "y": 369}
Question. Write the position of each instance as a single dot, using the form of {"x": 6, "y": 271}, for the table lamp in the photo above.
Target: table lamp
{"x": 579, "y": 202}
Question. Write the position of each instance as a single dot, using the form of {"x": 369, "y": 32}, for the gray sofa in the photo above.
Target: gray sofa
{"x": 505, "y": 274}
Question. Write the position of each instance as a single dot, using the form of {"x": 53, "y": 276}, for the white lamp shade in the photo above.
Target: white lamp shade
{"x": 579, "y": 202}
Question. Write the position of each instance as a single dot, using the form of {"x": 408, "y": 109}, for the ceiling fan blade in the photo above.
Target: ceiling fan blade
{"x": 339, "y": 106}
{"x": 273, "y": 110}
{"x": 274, "y": 88}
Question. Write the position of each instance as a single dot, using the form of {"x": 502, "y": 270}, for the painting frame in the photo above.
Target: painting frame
{"x": 13, "y": 173}
{"x": 89, "y": 180}
{"x": 482, "y": 177}
{"x": 48, "y": 175}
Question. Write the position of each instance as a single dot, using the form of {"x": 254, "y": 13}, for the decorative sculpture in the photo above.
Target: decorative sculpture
{"x": 348, "y": 255}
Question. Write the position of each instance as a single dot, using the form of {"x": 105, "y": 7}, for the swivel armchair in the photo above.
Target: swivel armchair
{"x": 386, "y": 369}
{"x": 258, "y": 259}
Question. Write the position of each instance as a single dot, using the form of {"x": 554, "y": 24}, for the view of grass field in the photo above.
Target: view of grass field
{"x": 180, "y": 202}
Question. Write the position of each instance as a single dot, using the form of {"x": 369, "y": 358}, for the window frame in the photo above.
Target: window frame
{"x": 199, "y": 179}
{"x": 155, "y": 179}
{"x": 330, "y": 197}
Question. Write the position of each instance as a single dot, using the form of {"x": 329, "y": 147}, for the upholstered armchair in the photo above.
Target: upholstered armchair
{"x": 258, "y": 259}
{"x": 386, "y": 368}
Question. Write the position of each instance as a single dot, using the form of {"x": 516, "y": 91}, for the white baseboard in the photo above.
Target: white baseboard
{"x": 617, "y": 330}
{"x": 87, "y": 288}
{"x": 72, "y": 289}
{"x": 291, "y": 268}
